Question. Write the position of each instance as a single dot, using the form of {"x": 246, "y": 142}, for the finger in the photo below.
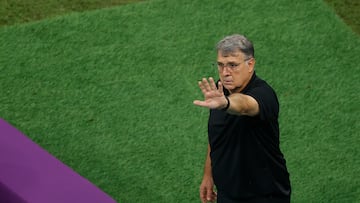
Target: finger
{"x": 201, "y": 103}
{"x": 215, "y": 196}
{"x": 212, "y": 83}
{"x": 203, "y": 196}
{"x": 200, "y": 85}
{"x": 203, "y": 90}
{"x": 206, "y": 85}
{"x": 221, "y": 87}
{"x": 203, "y": 199}
{"x": 210, "y": 195}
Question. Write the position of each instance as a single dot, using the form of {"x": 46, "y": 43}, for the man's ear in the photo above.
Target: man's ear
{"x": 251, "y": 64}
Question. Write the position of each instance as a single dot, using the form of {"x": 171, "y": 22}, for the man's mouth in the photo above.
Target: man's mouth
{"x": 227, "y": 82}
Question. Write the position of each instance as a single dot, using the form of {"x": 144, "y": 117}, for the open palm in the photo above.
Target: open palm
{"x": 214, "y": 97}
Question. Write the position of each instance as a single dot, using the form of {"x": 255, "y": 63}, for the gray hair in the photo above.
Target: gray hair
{"x": 235, "y": 43}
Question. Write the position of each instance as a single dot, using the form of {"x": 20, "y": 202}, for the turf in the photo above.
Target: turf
{"x": 109, "y": 92}
{"x": 21, "y": 11}
{"x": 348, "y": 10}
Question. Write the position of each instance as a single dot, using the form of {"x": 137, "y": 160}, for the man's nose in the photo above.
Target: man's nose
{"x": 225, "y": 70}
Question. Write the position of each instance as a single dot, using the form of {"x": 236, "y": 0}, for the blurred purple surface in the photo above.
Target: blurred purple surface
{"x": 30, "y": 174}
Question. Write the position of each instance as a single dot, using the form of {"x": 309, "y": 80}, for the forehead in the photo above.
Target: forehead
{"x": 236, "y": 55}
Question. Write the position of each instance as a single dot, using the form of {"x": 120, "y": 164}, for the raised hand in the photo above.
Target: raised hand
{"x": 214, "y": 97}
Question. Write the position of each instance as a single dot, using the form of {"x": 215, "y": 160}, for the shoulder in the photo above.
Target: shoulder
{"x": 258, "y": 85}
{"x": 265, "y": 96}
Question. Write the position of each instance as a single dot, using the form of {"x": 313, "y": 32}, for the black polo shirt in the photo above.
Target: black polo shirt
{"x": 245, "y": 154}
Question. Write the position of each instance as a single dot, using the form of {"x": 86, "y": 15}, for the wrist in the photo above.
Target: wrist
{"x": 227, "y": 104}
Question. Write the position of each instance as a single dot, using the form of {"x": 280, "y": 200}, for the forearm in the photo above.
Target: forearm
{"x": 207, "y": 167}
{"x": 207, "y": 193}
{"x": 241, "y": 104}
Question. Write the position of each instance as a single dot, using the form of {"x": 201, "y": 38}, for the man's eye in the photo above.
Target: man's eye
{"x": 232, "y": 65}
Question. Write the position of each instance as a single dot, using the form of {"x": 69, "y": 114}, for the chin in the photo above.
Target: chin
{"x": 229, "y": 87}
{"x": 232, "y": 88}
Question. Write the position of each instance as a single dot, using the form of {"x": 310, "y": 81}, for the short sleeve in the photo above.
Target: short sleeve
{"x": 267, "y": 101}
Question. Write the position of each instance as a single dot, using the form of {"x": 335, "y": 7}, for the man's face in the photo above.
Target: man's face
{"x": 235, "y": 70}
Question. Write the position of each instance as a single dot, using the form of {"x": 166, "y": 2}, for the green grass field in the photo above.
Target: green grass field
{"x": 20, "y": 11}
{"x": 348, "y": 10}
{"x": 109, "y": 92}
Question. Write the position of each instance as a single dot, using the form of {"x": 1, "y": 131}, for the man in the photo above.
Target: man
{"x": 244, "y": 160}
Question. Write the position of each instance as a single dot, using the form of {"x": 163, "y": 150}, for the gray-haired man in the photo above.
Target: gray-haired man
{"x": 244, "y": 160}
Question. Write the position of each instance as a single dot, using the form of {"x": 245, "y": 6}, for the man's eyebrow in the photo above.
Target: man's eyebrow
{"x": 229, "y": 62}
